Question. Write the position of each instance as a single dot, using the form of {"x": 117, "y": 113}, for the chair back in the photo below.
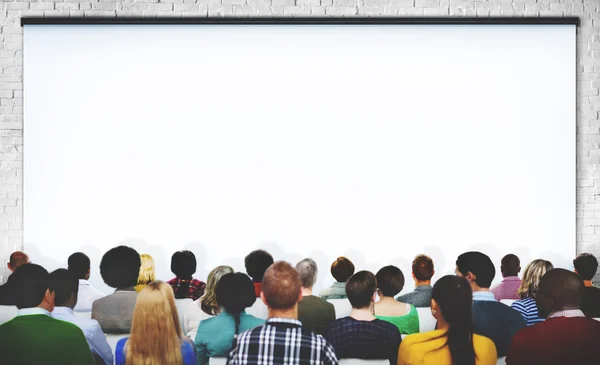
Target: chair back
{"x": 363, "y": 362}
{"x": 217, "y": 361}
{"x": 427, "y": 321}
{"x": 508, "y": 302}
{"x": 182, "y": 305}
{"x": 258, "y": 309}
{"x": 501, "y": 361}
{"x": 8, "y": 312}
{"x": 113, "y": 338}
{"x": 343, "y": 308}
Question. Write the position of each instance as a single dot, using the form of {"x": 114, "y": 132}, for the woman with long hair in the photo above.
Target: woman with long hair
{"x": 528, "y": 289}
{"x": 206, "y": 306}
{"x": 235, "y": 293}
{"x": 147, "y": 274}
{"x": 155, "y": 337}
{"x": 453, "y": 342}
{"x": 390, "y": 282}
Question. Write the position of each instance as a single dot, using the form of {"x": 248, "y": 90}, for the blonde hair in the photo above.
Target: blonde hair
{"x": 208, "y": 302}
{"x": 147, "y": 274}
{"x": 531, "y": 278}
{"x": 155, "y": 330}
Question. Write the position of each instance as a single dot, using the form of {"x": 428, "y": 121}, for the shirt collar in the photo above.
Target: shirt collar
{"x": 486, "y": 296}
{"x": 275, "y": 320}
{"x": 423, "y": 287}
{"x": 129, "y": 288}
{"x": 62, "y": 310}
{"x": 511, "y": 278}
{"x": 567, "y": 313}
{"x": 30, "y": 311}
{"x": 83, "y": 282}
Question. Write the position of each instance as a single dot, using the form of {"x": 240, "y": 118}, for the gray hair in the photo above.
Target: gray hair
{"x": 308, "y": 271}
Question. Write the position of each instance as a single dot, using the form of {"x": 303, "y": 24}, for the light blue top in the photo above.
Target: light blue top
{"x": 187, "y": 352}
{"x": 486, "y": 296}
{"x": 30, "y": 311}
{"x": 336, "y": 291}
{"x": 92, "y": 331}
{"x": 215, "y": 335}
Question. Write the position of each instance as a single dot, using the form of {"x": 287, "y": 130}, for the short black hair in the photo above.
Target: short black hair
{"x": 360, "y": 288}
{"x": 63, "y": 283}
{"x": 478, "y": 264}
{"x": 235, "y": 292}
{"x": 586, "y": 265}
{"x": 78, "y": 264}
{"x": 120, "y": 267}
{"x": 510, "y": 265}
{"x": 183, "y": 264}
{"x": 30, "y": 282}
{"x": 390, "y": 280}
{"x": 257, "y": 262}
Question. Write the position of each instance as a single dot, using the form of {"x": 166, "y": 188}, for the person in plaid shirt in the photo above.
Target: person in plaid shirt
{"x": 183, "y": 265}
{"x": 281, "y": 340}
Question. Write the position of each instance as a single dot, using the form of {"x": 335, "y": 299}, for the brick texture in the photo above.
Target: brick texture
{"x": 11, "y": 76}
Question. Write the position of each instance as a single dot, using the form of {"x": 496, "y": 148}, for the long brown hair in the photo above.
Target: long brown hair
{"x": 155, "y": 330}
{"x": 208, "y": 302}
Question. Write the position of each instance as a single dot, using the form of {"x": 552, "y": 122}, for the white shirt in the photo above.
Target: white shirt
{"x": 34, "y": 310}
{"x": 192, "y": 317}
{"x": 92, "y": 331}
{"x": 87, "y": 296}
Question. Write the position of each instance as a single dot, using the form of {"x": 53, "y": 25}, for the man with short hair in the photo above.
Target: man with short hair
{"x": 422, "y": 271}
{"x": 7, "y": 291}
{"x": 567, "y": 336}
{"x": 314, "y": 313}
{"x": 17, "y": 259}
{"x": 361, "y": 335}
{"x": 341, "y": 270}
{"x": 79, "y": 266}
{"x": 491, "y": 318}
{"x": 585, "y": 266}
{"x": 510, "y": 266}
{"x": 256, "y": 264}
{"x": 119, "y": 269}
{"x": 66, "y": 286}
{"x": 281, "y": 340}
{"x": 33, "y": 336}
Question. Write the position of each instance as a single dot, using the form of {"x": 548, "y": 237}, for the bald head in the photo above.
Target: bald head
{"x": 17, "y": 259}
{"x": 559, "y": 289}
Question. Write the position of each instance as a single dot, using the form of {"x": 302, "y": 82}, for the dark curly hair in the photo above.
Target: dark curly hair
{"x": 257, "y": 262}
{"x": 120, "y": 267}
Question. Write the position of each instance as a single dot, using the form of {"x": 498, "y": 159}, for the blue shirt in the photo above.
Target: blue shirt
{"x": 187, "y": 352}
{"x": 484, "y": 296}
{"x": 528, "y": 310}
{"x": 92, "y": 331}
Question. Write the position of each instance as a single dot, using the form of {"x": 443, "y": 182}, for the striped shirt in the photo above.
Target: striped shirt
{"x": 528, "y": 310}
{"x": 281, "y": 341}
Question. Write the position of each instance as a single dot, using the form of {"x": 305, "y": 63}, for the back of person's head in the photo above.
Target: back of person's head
{"x": 361, "y": 288}
{"x": 147, "y": 274}
{"x": 183, "y": 264}
{"x": 79, "y": 265}
{"x": 342, "y": 269}
{"x": 17, "y": 259}
{"x": 235, "y": 293}
{"x": 586, "y": 265}
{"x": 208, "y": 302}
{"x": 31, "y": 284}
{"x": 452, "y": 298}
{"x": 308, "y": 271}
{"x": 510, "y": 265}
{"x": 257, "y": 262}
{"x": 422, "y": 268}
{"x": 559, "y": 289}
{"x": 390, "y": 281}
{"x": 120, "y": 267}
{"x": 65, "y": 287}
{"x": 281, "y": 286}
{"x": 477, "y": 267}
{"x": 531, "y": 277}
{"x": 155, "y": 329}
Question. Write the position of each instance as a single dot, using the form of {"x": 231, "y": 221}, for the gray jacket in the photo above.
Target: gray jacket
{"x": 114, "y": 312}
{"x": 420, "y": 297}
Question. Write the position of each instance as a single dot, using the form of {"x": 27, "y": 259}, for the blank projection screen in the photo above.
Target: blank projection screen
{"x": 374, "y": 141}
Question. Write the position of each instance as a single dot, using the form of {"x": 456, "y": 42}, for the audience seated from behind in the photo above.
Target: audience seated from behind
{"x": 79, "y": 266}
{"x": 314, "y": 312}
{"x": 422, "y": 272}
{"x": 257, "y": 262}
{"x": 183, "y": 265}
{"x": 361, "y": 335}
{"x": 235, "y": 293}
{"x": 16, "y": 259}
{"x": 282, "y": 334}
{"x": 491, "y": 318}
{"x": 453, "y": 342}
{"x": 66, "y": 286}
{"x": 510, "y": 266}
{"x": 119, "y": 269}
{"x": 531, "y": 279}
{"x": 585, "y": 266}
{"x": 567, "y": 336}
{"x": 33, "y": 336}
{"x": 341, "y": 270}
{"x": 156, "y": 336}
{"x": 390, "y": 282}
{"x": 147, "y": 274}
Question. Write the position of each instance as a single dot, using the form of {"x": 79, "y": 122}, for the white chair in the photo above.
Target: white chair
{"x": 343, "y": 308}
{"x": 363, "y": 362}
{"x": 7, "y": 312}
{"x": 217, "y": 361}
{"x": 426, "y": 320}
{"x": 87, "y": 315}
{"x": 113, "y": 338}
{"x": 258, "y": 309}
{"x": 597, "y": 319}
{"x": 182, "y": 305}
{"x": 508, "y": 302}
{"x": 501, "y": 361}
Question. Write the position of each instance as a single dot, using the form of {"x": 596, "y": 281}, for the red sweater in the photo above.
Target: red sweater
{"x": 557, "y": 341}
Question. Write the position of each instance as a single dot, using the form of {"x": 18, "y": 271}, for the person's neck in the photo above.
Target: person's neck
{"x": 362, "y": 314}
{"x": 422, "y": 283}
{"x": 384, "y": 299}
{"x": 587, "y": 283}
{"x": 477, "y": 288}
{"x": 306, "y": 292}
{"x": 46, "y": 306}
{"x": 442, "y": 324}
{"x": 290, "y": 313}
{"x": 504, "y": 276}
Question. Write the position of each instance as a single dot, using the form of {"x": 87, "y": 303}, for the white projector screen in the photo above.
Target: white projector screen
{"x": 374, "y": 141}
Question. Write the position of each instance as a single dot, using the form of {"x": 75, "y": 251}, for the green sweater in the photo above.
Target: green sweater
{"x": 41, "y": 339}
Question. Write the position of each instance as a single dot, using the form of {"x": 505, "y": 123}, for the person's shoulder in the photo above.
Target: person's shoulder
{"x": 197, "y": 282}
{"x": 385, "y": 326}
{"x": 255, "y": 321}
{"x": 67, "y": 327}
{"x": 172, "y": 281}
{"x": 483, "y": 342}
{"x": 485, "y": 350}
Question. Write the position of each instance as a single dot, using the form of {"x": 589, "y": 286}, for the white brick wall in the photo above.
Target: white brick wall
{"x": 11, "y": 73}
